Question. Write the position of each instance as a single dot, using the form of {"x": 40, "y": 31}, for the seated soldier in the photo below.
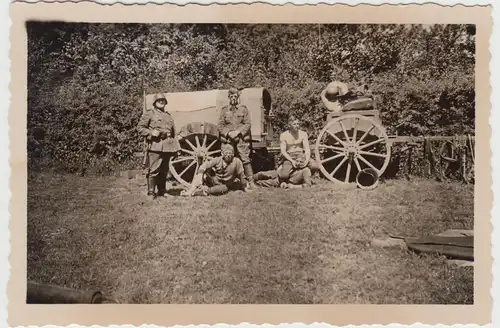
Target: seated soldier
{"x": 219, "y": 175}
{"x": 298, "y": 178}
{"x": 296, "y": 152}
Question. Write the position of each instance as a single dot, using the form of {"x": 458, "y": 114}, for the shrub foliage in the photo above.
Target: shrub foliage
{"x": 85, "y": 81}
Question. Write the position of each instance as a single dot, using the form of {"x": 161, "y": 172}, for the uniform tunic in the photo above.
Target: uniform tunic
{"x": 161, "y": 147}
{"x": 162, "y": 121}
{"x": 237, "y": 118}
{"x": 224, "y": 175}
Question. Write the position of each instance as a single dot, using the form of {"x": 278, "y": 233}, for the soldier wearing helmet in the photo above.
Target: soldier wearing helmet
{"x": 157, "y": 127}
{"x": 234, "y": 128}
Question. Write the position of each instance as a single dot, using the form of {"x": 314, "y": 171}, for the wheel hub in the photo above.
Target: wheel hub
{"x": 351, "y": 150}
{"x": 201, "y": 153}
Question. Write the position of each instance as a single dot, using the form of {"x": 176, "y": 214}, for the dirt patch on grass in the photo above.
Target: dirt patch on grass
{"x": 270, "y": 246}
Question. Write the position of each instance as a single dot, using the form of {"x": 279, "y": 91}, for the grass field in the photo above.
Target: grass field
{"x": 270, "y": 246}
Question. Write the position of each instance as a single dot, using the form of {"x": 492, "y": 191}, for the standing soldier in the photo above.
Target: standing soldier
{"x": 157, "y": 127}
{"x": 234, "y": 128}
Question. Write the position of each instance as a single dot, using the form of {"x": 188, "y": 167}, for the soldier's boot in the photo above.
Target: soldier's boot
{"x": 249, "y": 175}
{"x": 151, "y": 186}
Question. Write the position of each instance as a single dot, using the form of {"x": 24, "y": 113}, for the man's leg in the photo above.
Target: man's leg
{"x": 161, "y": 181}
{"x": 155, "y": 162}
{"x": 215, "y": 187}
{"x": 269, "y": 183}
{"x": 285, "y": 171}
{"x": 266, "y": 178}
{"x": 301, "y": 177}
{"x": 244, "y": 149}
{"x": 265, "y": 175}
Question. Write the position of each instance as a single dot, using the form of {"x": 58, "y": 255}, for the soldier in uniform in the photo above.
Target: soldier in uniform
{"x": 157, "y": 127}
{"x": 219, "y": 175}
{"x": 234, "y": 128}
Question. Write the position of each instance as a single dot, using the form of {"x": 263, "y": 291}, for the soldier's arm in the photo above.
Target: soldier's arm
{"x": 240, "y": 172}
{"x": 143, "y": 125}
{"x": 207, "y": 165}
{"x": 223, "y": 128}
{"x": 198, "y": 178}
{"x": 245, "y": 128}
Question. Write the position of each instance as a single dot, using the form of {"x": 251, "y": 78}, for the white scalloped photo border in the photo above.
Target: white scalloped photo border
{"x": 494, "y": 141}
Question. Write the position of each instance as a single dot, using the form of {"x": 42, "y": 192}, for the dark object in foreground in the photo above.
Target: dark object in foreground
{"x": 461, "y": 248}
{"x": 367, "y": 179}
{"x": 49, "y": 294}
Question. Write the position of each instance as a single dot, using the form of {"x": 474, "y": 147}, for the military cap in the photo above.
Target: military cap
{"x": 227, "y": 148}
{"x": 234, "y": 91}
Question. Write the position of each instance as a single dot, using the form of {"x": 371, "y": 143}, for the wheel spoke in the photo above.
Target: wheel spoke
{"x": 338, "y": 166}
{"x": 195, "y": 171}
{"x": 355, "y": 133}
{"x": 365, "y": 134}
{"x": 211, "y": 144}
{"x": 358, "y": 166}
{"x": 190, "y": 152}
{"x": 331, "y": 158}
{"x": 348, "y": 172}
{"x": 213, "y": 152}
{"x": 181, "y": 159}
{"x": 336, "y": 138}
{"x": 369, "y": 153}
{"x": 332, "y": 147}
{"x": 372, "y": 143}
{"x": 345, "y": 131}
{"x": 197, "y": 138}
{"x": 187, "y": 168}
{"x": 367, "y": 163}
{"x": 204, "y": 143}
{"x": 190, "y": 144}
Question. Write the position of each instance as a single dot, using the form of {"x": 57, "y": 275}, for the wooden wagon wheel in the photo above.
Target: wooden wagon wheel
{"x": 349, "y": 144}
{"x": 195, "y": 150}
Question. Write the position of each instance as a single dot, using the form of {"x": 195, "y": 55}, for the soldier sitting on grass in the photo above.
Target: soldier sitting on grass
{"x": 296, "y": 153}
{"x": 219, "y": 175}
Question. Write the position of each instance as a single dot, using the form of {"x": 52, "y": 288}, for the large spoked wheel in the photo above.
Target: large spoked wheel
{"x": 351, "y": 143}
{"x": 195, "y": 150}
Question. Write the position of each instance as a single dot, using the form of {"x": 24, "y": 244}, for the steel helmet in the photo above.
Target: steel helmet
{"x": 159, "y": 96}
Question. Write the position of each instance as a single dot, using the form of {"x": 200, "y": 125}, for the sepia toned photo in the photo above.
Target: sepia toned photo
{"x": 271, "y": 163}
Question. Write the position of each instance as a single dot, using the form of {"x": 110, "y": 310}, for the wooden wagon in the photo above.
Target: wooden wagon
{"x": 196, "y": 116}
{"x": 355, "y": 141}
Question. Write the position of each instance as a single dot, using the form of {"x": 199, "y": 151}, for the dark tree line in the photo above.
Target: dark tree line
{"x": 85, "y": 80}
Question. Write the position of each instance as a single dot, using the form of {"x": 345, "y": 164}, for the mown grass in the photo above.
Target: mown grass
{"x": 270, "y": 246}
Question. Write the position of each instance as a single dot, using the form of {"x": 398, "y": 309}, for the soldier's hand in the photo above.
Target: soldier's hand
{"x": 164, "y": 134}
{"x": 155, "y": 133}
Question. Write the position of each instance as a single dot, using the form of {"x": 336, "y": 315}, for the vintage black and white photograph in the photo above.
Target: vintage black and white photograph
{"x": 250, "y": 163}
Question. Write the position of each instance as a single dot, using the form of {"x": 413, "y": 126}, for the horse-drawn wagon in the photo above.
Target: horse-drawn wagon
{"x": 196, "y": 116}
